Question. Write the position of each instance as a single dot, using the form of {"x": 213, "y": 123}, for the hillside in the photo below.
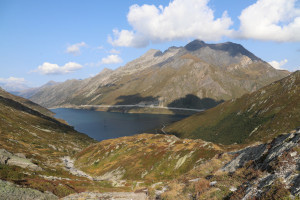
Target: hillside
{"x": 144, "y": 157}
{"x": 32, "y": 144}
{"x": 258, "y": 116}
{"x": 25, "y": 102}
{"x": 198, "y": 75}
{"x": 263, "y": 171}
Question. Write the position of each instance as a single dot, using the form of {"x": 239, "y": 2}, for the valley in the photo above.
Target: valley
{"x": 232, "y": 131}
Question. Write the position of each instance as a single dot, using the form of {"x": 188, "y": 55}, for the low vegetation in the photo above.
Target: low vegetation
{"x": 145, "y": 157}
{"x": 258, "y": 116}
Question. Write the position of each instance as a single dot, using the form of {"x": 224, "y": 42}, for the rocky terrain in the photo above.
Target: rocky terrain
{"x": 10, "y": 191}
{"x": 198, "y": 76}
{"x": 258, "y": 116}
{"x": 260, "y": 171}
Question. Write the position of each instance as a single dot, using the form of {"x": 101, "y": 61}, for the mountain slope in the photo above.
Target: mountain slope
{"x": 25, "y": 102}
{"x": 144, "y": 157}
{"x": 32, "y": 144}
{"x": 198, "y": 75}
{"x": 31, "y": 91}
{"x": 257, "y": 116}
{"x": 262, "y": 171}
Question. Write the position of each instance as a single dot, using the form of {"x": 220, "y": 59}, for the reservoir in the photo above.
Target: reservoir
{"x": 107, "y": 125}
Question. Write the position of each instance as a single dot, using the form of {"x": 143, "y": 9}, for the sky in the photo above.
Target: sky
{"x": 71, "y": 39}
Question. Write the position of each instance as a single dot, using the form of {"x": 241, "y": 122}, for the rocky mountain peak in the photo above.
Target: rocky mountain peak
{"x": 152, "y": 53}
{"x": 50, "y": 83}
{"x": 233, "y": 49}
{"x": 106, "y": 70}
{"x": 195, "y": 45}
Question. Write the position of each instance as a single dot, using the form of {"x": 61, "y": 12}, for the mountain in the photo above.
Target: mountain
{"x": 198, "y": 75}
{"x": 32, "y": 144}
{"x": 26, "y": 93}
{"x": 258, "y": 116}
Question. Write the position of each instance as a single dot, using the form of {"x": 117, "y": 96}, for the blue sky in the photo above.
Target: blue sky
{"x": 59, "y": 40}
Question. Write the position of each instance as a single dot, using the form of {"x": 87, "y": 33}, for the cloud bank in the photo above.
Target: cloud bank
{"x": 75, "y": 48}
{"x": 111, "y": 59}
{"x": 276, "y": 20}
{"x": 181, "y": 19}
{"x": 272, "y": 20}
{"x": 13, "y": 84}
{"x": 278, "y": 65}
{"x": 53, "y": 69}
{"x": 12, "y": 80}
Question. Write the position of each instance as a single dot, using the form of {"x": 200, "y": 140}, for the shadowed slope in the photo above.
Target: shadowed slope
{"x": 258, "y": 116}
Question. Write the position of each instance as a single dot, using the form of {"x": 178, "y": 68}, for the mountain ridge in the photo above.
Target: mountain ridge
{"x": 211, "y": 71}
{"x": 257, "y": 116}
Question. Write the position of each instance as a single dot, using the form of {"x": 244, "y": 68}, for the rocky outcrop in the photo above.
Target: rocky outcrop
{"x": 244, "y": 156}
{"x": 107, "y": 195}
{"x": 69, "y": 165}
{"x": 10, "y": 191}
{"x": 7, "y": 158}
{"x": 279, "y": 161}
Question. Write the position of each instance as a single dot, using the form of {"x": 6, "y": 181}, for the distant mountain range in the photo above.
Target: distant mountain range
{"x": 198, "y": 75}
{"x": 28, "y": 92}
{"x": 258, "y": 116}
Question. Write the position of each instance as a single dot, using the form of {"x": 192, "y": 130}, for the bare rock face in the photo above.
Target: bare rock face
{"x": 204, "y": 74}
{"x": 244, "y": 156}
{"x": 7, "y": 158}
{"x": 11, "y": 191}
{"x": 107, "y": 195}
{"x": 279, "y": 162}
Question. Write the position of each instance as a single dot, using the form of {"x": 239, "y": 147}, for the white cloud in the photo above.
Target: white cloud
{"x": 13, "y": 84}
{"x": 181, "y": 19}
{"x": 111, "y": 59}
{"x": 12, "y": 80}
{"x": 114, "y": 51}
{"x": 276, "y": 20}
{"x": 75, "y": 48}
{"x": 278, "y": 65}
{"x": 50, "y": 69}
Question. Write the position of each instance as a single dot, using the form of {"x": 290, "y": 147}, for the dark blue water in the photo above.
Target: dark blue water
{"x": 107, "y": 125}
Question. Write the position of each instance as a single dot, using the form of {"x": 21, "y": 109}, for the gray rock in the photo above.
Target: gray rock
{"x": 108, "y": 195}
{"x": 8, "y": 158}
{"x": 245, "y": 155}
{"x": 10, "y": 191}
{"x": 266, "y": 160}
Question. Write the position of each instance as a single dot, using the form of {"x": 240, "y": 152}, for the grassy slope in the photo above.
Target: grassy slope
{"x": 261, "y": 115}
{"x": 145, "y": 156}
{"x": 25, "y": 102}
{"x": 42, "y": 139}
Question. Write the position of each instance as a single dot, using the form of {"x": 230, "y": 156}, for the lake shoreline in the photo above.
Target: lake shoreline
{"x": 108, "y": 125}
{"x": 135, "y": 109}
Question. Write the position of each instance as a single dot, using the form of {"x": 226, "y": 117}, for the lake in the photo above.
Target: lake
{"x": 107, "y": 125}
